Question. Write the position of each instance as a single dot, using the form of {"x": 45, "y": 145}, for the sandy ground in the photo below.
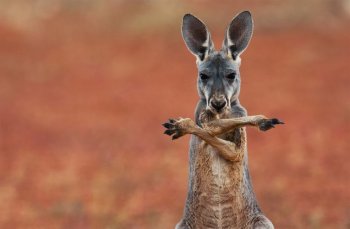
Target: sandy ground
{"x": 82, "y": 146}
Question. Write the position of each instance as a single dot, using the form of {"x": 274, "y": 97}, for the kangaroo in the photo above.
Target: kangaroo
{"x": 220, "y": 193}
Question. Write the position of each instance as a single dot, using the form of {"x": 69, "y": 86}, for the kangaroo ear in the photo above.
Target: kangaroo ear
{"x": 238, "y": 34}
{"x": 196, "y": 37}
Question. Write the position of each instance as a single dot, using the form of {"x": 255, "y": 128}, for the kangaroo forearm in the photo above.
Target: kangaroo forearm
{"x": 221, "y": 126}
{"x": 225, "y": 148}
{"x": 179, "y": 127}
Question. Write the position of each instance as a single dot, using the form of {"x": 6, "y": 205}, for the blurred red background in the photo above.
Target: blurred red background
{"x": 85, "y": 85}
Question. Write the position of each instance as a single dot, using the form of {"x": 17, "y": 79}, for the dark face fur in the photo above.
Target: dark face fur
{"x": 218, "y": 71}
{"x": 218, "y": 81}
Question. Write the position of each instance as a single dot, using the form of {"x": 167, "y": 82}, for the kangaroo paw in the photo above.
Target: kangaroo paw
{"x": 266, "y": 124}
{"x": 178, "y": 127}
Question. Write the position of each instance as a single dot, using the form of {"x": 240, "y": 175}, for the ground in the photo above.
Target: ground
{"x": 81, "y": 137}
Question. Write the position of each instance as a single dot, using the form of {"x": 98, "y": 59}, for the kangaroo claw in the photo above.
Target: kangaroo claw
{"x": 168, "y": 125}
{"x": 267, "y": 124}
{"x": 176, "y": 136}
{"x": 178, "y": 127}
{"x": 276, "y": 121}
{"x": 169, "y": 132}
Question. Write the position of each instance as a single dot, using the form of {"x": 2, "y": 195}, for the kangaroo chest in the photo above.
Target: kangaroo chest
{"x": 215, "y": 174}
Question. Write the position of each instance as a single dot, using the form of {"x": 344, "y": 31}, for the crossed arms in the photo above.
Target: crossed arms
{"x": 210, "y": 130}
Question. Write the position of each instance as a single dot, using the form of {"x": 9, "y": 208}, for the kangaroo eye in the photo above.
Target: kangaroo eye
{"x": 203, "y": 76}
{"x": 231, "y": 76}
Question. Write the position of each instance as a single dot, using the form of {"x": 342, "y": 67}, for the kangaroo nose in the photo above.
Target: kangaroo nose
{"x": 218, "y": 104}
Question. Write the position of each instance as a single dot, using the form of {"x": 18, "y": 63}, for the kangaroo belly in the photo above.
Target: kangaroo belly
{"x": 216, "y": 210}
{"x": 220, "y": 201}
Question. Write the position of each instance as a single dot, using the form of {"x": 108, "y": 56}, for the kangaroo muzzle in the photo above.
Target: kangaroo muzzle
{"x": 217, "y": 104}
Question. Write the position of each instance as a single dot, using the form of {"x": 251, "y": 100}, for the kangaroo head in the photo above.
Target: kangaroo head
{"x": 218, "y": 71}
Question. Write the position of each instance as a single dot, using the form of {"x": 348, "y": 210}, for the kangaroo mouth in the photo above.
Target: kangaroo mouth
{"x": 217, "y": 111}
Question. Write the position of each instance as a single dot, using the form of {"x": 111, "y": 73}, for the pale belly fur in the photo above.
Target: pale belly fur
{"x": 220, "y": 196}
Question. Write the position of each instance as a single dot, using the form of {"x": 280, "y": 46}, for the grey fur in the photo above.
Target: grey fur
{"x": 220, "y": 194}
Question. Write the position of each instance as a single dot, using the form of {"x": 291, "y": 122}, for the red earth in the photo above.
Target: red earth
{"x": 81, "y": 138}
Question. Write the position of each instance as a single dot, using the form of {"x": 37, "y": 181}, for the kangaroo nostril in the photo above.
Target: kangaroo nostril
{"x": 218, "y": 105}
